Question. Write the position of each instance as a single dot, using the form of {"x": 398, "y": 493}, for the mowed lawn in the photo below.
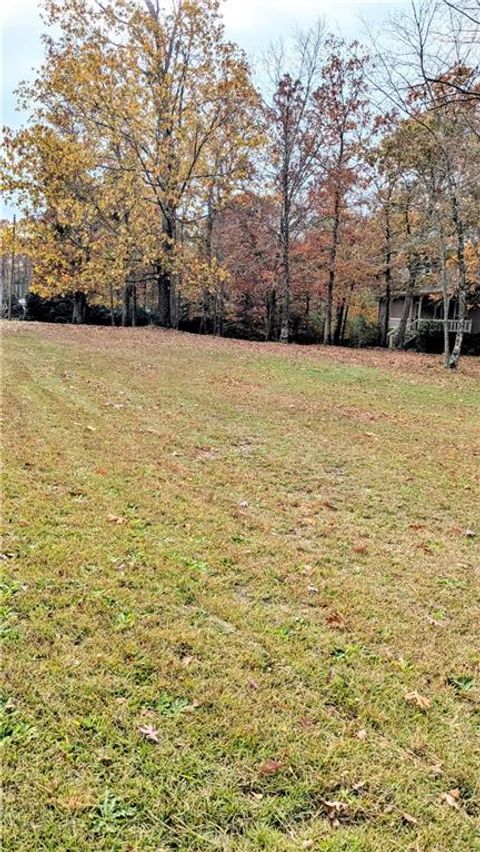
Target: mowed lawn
{"x": 241, "y": 595}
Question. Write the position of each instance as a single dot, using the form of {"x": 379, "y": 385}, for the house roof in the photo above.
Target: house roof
{"x": 426, "y": 291}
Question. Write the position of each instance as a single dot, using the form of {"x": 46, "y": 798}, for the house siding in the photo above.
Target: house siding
{"x": 430, "y": 310}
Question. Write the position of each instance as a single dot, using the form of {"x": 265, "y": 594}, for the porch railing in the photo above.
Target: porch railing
{"x": 413, "y": 327}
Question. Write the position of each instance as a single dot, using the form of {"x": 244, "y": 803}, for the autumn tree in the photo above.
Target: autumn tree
{"x": 292, "y": 145}
{"x": 448, "y": 121}
{"x": 341, "y": 121}
{"x": 247, "y": 238}
{"x": 155, "y": 93}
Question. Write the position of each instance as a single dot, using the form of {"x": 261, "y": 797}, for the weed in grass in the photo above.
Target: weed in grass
{"x": 110, "y": 814}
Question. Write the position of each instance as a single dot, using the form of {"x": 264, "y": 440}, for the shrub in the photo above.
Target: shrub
{"x": 60, "y": 309}
{"x": 362, "y": 332}
{"x": 17, "y": 309}
{"x": 49, "y": 310}
{"x": 471, "y": 344}
{"x": 429, "y": 337}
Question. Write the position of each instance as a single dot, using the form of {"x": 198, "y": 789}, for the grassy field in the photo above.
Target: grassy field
{"x": 241, "y": 604}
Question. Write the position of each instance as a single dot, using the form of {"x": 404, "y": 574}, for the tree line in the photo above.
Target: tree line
{"x": 157, "y": 174}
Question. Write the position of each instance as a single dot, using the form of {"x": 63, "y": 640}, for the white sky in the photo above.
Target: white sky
{"x": 252, "y": 23}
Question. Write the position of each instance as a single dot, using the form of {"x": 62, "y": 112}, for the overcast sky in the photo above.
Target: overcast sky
{"x": 251, "y": 23}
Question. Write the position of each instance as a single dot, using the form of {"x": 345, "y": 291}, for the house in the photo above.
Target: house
{"x": 427, "y": 307}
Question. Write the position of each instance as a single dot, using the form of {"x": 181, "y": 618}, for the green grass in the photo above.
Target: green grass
{"x": 257, "y": 552}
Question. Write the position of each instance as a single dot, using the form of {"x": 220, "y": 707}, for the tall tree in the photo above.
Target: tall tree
{"x": 293, "y": 145}
{"x": 341, "y": 121}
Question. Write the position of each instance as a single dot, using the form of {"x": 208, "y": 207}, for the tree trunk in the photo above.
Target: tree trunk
{"x": 164, "y": 290}
{"x": 446, "y": 336}
{"x": 178, "y": 305}
{"x": 79, "y": 308}
{"x": 285, "y": 242}
{"x": 445, "y": 297}
{"x": 164, "y": 273}
{"x": 412, "y": 280}
{"x": 285, "y": 325}
{"x": 112, "y": 307}
{"x": 402, "y": 326}
{"x": 219, "y": 316}
{"x": 388, "y": 279}
{"x": 454, "y": 358}
{"x": 2, "y": 283}
{"x": 327, "y": 330}
{"x": 338, "y": 322}
{"x": 344, "y": 323}
{"x": 134, "y": 304}
{"x": 126, "y": 305}
{"x": 205, "y": 310}
{"x": 271, "y": 308}
{"x": 12, "y": 271}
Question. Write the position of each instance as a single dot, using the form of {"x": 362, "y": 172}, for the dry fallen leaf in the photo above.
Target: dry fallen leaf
{"x": 419, "y": 700}
{"x": 452, "y": 798}
{"x": 361, "y": 734}
{"x": 335, "y": 810}
{"x": 436, "y": 770}
{"x": 150, "y": 733}
{"x": 409, "y": 819}
{"x": 270, "y": 767}
{"x": 470, "y": 534}
{"x": 252, "y": 684}
{"x": 335, "y": 619}
{"x": 307, "y": 844}
{"x": 305, "y": 723}
{"x": 434, "y": 622}
{"x": 116, "y": 519}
